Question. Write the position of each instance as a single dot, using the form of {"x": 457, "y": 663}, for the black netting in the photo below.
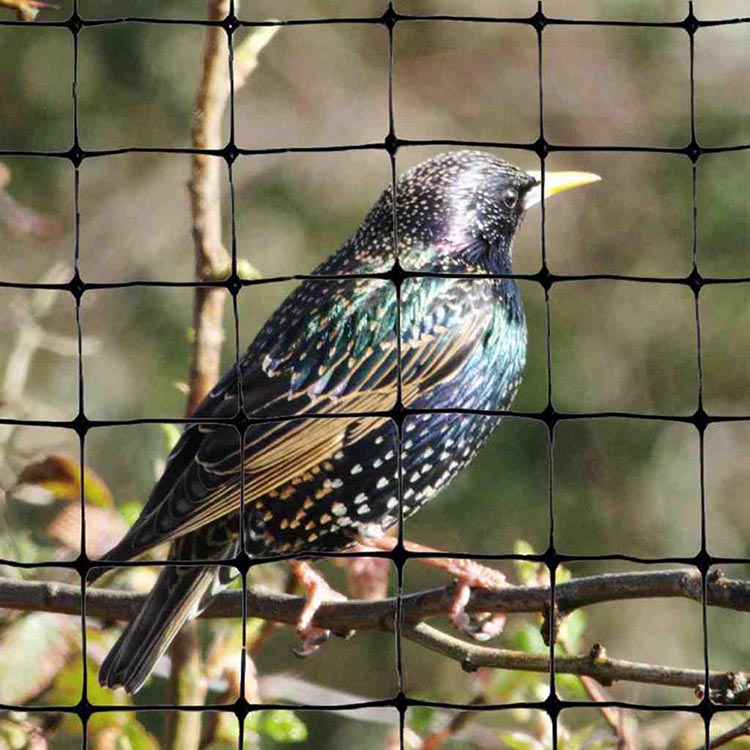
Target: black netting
{"x": 549, "y": 416}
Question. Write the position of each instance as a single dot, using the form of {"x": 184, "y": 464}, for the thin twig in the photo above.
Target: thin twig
{"x": 26, "y": 10}
{"x": 435, "y": 740}
{"x": 380, "y": 615}
{"x": 30, "y": 337}
{"x": 247, "y": 52}
{"x": 212, "y": 261}
{"x": 613, "y": 716}
{"x": 21, "y": 220}
{"x": 187, "y": 682}
{"x": 743, "y": 730}
{"x": 595, "y": 664}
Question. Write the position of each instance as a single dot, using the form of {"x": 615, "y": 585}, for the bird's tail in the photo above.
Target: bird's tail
{"x": 179, "y": 594}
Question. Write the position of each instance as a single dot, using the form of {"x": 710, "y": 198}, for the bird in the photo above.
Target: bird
{"x": 418, "y": 309}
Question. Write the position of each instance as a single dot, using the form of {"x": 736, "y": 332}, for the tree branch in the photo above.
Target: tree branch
{"x": 743, "y": 730}
{"x": 595, "y": 664}
{"x": 110, "y": 604}
{"x": 342, "y": 617}
{"x": 187, "y": 682}
{"x": 212, "y": 262}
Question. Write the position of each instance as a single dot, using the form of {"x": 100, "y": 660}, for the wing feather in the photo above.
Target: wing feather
{"x": 325, "y": 352}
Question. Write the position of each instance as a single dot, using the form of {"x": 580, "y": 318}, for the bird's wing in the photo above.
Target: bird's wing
{"x": 331, "y": 349}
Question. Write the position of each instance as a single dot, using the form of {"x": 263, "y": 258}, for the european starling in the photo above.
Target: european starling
{"x": 314, "y": 483}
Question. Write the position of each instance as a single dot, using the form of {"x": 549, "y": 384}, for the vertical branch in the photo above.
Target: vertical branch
{"x": 212, "y": 262}
{"x": 743, "y": 730}
{"x": 187, "y": 685}
{"x": 613, "y": 716}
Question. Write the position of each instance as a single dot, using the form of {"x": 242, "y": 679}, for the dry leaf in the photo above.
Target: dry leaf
{"x": 19, "y": 219}
{"x": 61, "y": 476}
{"x": 26, "y": 10}
{"x": 104, "y": 528}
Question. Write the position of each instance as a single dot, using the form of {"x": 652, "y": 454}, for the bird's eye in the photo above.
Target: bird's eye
{"x": 510, "y": 198}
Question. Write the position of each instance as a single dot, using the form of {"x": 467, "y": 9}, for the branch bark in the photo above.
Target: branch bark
{"x": 187, "y": 681}
{"x": 212, "y": 262}
{"x": 112, "y": 605}
{"x": 595, "y": 664}
{"x": 743, "y": 730}
{"x": 342, "y": 617}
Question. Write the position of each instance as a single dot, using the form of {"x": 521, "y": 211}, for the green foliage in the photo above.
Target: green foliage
{"x": 12, "y": 736}
{"x": 130, "y": 510}
{"x": 421, "y": 719}
{"x": 528, "y": 572}
{"x": 35, "y": 652}
{"x": 171, "y": 434}
{"x": 591, "y": 737}
{"x": 132, "y": 735}
{"x": 274, "y": 727}
{"x": 521, "y": 741}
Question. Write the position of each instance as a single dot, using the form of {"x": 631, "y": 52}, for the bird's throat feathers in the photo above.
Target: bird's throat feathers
{"x": 457, "y": 254}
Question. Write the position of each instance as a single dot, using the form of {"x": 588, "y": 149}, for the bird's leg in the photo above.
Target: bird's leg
{"x": 318, "y": 592}
{"x": 468, "y": 574}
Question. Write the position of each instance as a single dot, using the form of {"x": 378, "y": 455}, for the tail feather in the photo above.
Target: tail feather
{"x": 179, "y": 594}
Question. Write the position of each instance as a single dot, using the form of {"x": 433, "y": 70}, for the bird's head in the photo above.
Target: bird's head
{"x": 459, "y": 211}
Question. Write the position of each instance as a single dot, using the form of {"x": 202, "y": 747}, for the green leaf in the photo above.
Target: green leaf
{"x": 33, "y": 650}
{"x": 562, "y": 575}
{"x": 60, "y": 476}
{"x": 283, "y": 726}
{"x": 421, "y": 719}
{"x": 569, "y": 685}
{"x": 68, "y": 687}
{"x": 252, "y": 721}
{"x": 130, "y": 511}
{"x": 528, "y": 638}
{"x": 508, "y": 685}
{"x": 134, "y": 736}
{"x": 171, "y": 434}
{"x": 12, "y": 737}
{"x": 252, "y": 731}
{"x": 528, "y": 572}
{"x": 521, "y": 741}
{"x": 572, "y": 631}
{"x": 522, "y": 547}
{"x": 246, "y": 270}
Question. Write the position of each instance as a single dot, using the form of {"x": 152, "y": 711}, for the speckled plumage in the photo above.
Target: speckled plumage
{"x": 318, "y": 481}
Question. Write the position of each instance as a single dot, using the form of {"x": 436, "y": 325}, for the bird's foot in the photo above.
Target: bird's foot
{"x": 318, "y": 593}
{"x": 482, "y": 626}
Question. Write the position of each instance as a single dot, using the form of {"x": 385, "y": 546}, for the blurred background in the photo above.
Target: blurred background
{"x": 619, "y": 485}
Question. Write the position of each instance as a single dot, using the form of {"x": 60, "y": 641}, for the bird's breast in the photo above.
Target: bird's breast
{"x": 471, "y": 331}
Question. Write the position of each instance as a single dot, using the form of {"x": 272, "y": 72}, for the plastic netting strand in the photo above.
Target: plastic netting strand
{"x": 549, "y": 415}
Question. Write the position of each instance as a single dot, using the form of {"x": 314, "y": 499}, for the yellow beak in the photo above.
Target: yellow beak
{"x": 556, "y": 182}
